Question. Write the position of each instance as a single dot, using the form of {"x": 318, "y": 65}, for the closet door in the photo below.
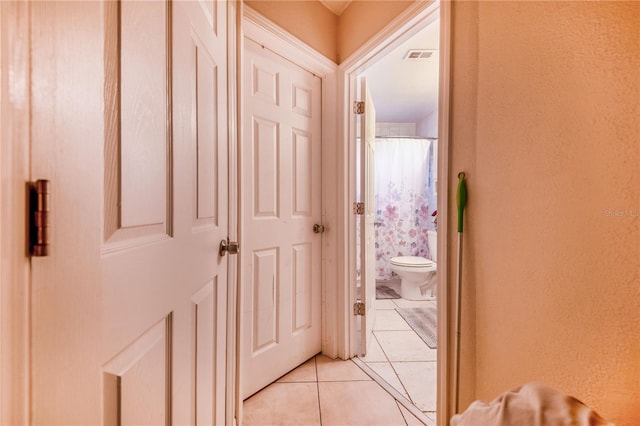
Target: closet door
{"x": 281, "y": 259}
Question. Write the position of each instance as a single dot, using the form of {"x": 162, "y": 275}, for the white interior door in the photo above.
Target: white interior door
{"x": 129, "y": 125}
{"x": 367, "y": 233}
{"x": 281, "y": 259}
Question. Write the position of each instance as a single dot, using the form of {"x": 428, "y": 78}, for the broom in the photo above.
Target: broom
{"x": 461, "y": 201}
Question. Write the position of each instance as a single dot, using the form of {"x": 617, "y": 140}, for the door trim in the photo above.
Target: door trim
{"x": 15, "y": 275}
{"x": 413, "y": 19}
{"x": 234, "y": 14}
{"x": 445, "y": 308}
{"x": 268, "y": 34}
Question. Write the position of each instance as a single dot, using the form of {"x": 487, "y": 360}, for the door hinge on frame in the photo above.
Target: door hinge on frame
{"x": 358, "y": 107}
{"x": 39, "y": 196}
{"x": 358, "y": 208}
{"x": 359, "y": 308}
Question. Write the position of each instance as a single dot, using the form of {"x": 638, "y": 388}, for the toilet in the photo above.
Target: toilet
{"x": 416, "y": 272}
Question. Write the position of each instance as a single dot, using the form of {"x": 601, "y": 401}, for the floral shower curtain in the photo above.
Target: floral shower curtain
{"x": 403, "y": 185}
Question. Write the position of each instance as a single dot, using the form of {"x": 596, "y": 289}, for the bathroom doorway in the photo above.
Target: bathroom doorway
{"x": 404, "y": 84}
{"x": 402, "y": 348}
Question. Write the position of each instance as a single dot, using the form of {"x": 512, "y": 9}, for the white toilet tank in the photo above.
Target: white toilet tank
{"x": 432, "y": 241}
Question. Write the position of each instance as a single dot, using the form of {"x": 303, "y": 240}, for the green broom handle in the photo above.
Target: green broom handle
{"x": 461, "y": 199}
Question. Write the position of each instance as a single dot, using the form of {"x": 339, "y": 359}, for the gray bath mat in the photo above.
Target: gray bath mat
{"x": 386, "y": 292}
{"x": 423, "y": 321}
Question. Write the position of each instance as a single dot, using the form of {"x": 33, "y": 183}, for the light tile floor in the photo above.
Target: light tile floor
{"x": 326, "y": 392}
{"x": 401, "y": 357}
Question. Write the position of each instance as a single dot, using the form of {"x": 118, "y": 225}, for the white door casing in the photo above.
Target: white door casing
{"x": 281, "y": 197}
{"x": 129, "y": 114}
{"x": 415, "y": 17}
{"x": 367, "y": 232}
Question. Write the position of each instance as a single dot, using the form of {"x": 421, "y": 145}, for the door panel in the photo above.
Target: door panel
{"x": 367, "y": 180}
{"x": 302, "y": 178}
{"x": 141, "y": 372}
{"x": 144, "y": 35}
{"x": 266, "y": 281}
{"x": 129, "y": 311}
{"x": 209, "y": 310}
{"x": 137, "y": 164}
{"x": 265, "y": 168}
{"x": 206, "y": 79}
{"x": 281, "y": 152}
{"x": 302, "y": 290}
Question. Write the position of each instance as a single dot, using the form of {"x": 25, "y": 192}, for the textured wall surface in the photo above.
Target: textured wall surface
{"x": 552, "y": 149}
{"x": 362, "y": 19}
{"x": 310, "y": 21}
{"x": 336, "y": 37}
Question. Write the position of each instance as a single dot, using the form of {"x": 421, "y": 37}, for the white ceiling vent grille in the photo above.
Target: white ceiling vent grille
{"x": 419, "y": 54}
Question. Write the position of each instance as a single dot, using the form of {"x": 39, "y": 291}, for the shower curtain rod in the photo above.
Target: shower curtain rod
{"x": 407, "y": 137}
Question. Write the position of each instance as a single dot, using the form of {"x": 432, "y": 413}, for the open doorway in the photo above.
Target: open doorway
{"x": 404, "y": 84}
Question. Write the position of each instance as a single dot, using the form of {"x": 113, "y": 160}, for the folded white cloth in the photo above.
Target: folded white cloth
{"x": 530, "y": 405}
{"x": 430, "y": 284}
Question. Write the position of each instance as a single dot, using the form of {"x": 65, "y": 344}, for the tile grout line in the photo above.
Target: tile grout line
{"x": 393, "y": 392}
{"x": 406, "y": 423}
{"x": 315, "y": 366}
{"x": 391, "y": 363}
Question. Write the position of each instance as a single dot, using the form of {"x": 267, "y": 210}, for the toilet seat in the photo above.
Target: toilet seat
{"x": 411, "y": 261}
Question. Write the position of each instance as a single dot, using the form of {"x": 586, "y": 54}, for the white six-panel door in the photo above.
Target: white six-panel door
{"x": 129, "y": 125}
{"x": 280, "y": 189}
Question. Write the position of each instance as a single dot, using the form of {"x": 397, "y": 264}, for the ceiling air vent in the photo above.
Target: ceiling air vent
{"x": 419, "y": 54}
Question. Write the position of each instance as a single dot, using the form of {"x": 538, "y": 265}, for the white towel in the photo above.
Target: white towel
{"x": 430, "y": 284}
{"x": 530, "y": 405}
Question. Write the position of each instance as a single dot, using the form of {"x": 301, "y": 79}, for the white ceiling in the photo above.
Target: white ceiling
{"x": 406, "y": 90}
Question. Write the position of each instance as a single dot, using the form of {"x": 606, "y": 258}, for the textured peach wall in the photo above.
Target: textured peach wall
{"x": 362, "y": 19}
{"x": 546, "y": 120}
{"x": 462, "y": 154}
{"x": 335, "y": 37}
{"x": 310, "y": 21}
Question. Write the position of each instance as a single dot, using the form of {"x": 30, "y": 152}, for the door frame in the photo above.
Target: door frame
{"x": 14, "y": 173}
{"x": 284, "y": 44}
{"x": 234, "y": 15}
{"x": 414, "y": 18}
